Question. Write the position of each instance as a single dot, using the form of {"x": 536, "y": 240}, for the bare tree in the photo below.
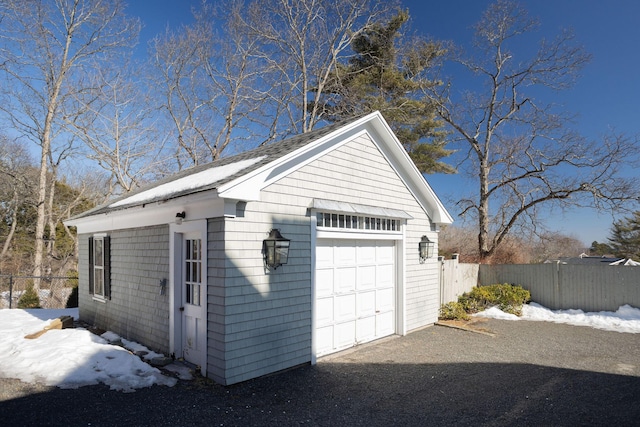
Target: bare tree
{"x": 302, "y": 42}
{"x": 47, "y": 48}
{"x": 557, "y": 245}
{"x": 117, "y": 129}
{"x": 16, "y": 189}
{"x": 460, "y": 240}
{"x": 522, "y": 152}
{"x": 211, "y": 86}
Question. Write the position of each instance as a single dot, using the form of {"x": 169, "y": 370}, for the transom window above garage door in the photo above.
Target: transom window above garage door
{"x": 356, "y": 222}
{"x": 335, "y": 215}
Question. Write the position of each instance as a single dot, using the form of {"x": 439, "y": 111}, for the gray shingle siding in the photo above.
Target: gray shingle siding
{"x": 216, "y": 299}
{"x": 267, "y": 322}
{"x": 136, "y": 310}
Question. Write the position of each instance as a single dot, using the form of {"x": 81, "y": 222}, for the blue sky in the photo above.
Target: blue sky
{"x": 605, "y": 97}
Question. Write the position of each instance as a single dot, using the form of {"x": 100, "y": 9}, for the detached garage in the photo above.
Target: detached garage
{"x": 269, "y": 259}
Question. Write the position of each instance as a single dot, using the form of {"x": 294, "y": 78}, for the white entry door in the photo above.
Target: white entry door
{"x": 193, "y": 300}
{"x": 355, "y": 292}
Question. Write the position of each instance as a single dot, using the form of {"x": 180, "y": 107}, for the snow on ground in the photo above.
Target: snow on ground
{"x": 625, "y": 319}
{"x": 70, "y": 358}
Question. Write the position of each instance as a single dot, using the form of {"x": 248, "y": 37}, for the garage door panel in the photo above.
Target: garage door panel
{"x": 344, "y": 334}
{"x": 385, "y": 300}
{"x": 344, "y": 307}
{"x": 324, "y": 256}
{"x": 385, "y": 324}
{"x": 324, "y": 283}
{"x": 324, "y": 311}
{"x": 366, "y": 329}
{"x": 385, "y": 252}
{"x": 385, "y": 276}
{"x": 324, "y": 340}
{"x": 345, "y": 253}
{"x": 345, "y": 279}
{"x": 366, "y": 277}
{"x": 366, "y": 253}
{"x": 366, "y": 303}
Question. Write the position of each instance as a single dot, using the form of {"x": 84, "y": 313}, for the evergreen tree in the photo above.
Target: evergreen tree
{"x": 600, "y": 249}
{"x": 625, "y": 237}
{"x": 29, "y": 298}
{"x": 391, "y": 78}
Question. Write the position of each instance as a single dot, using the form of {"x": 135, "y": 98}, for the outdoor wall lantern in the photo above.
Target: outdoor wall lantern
{"x": 275, "y": 249}
{"x": 425, "y": 249}
{"x": 180, "y": 216}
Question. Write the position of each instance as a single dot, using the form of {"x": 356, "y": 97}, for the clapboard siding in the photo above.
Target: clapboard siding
{"x": 136, "y": 311}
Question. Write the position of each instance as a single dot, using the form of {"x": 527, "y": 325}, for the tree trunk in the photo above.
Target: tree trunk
{"x": 41, "y": 209}
{"x": 483, "y": 212}
{"x": 14, "y": 224}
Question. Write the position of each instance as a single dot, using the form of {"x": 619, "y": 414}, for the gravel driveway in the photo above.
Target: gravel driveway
{"x": 526, "y": 374}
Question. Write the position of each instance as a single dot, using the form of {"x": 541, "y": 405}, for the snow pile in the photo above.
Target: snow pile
{"x": 625, "y": 319}
{"x": 68, "y": 358}
{"x": 71, "y": 358}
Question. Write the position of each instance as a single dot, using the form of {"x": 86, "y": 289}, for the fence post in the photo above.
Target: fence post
{"x": 10, "y": 291}
{"x": 557, "y": 292}
{"x": 441, "y": 278}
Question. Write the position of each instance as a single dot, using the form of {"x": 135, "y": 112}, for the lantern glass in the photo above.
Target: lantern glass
{"x": 276, "y": 249}
{"x": 425, "y": 248}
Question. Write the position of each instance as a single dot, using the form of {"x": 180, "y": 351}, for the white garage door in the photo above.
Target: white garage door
{"x": 355, "y": 292}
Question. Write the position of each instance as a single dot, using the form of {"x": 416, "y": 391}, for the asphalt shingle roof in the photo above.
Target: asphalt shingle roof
{"x": 267, "y": 154}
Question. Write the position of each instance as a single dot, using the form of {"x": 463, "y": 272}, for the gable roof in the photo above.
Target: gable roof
{"x": 241, "y": 177}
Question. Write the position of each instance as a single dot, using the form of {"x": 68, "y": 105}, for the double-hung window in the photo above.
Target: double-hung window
{"x": 99, "y": 266}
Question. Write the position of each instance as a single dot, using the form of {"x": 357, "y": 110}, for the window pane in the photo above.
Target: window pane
{"x": 97, "y": 253}
{"x": 98, "y": 281}
{"x": 195, "y": 276}
{"x": 196, "y": 295}
{"x": 196, "y": 249}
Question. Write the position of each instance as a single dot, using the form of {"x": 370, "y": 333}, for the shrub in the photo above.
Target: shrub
{"x": 29, "y": 298}
{"x": 508, "y": 298}
{"x": 72, "y": 301}
{"x": 452, "y": 311}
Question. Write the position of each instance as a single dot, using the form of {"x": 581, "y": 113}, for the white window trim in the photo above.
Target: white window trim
{"x": 94, "y": 296}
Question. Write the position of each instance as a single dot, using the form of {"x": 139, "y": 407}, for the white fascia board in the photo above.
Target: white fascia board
{"x": 196, "y": 207}
{"x": 248, "y": 187}
{"x": 408, "y": 172}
